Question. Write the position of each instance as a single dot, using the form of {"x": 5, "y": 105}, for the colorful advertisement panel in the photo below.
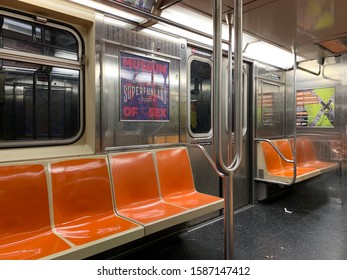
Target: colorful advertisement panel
{"x": 315, "y": 107}
{"x": 145, "y": 5}
{"x": 144, "y": 90}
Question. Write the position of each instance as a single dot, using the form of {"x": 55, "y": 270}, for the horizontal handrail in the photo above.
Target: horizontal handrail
{"x": 158, "y": 18}
{"x": 309, "y": 71}
{"x": 140, "y": 147}
{"x": 275, "y": 148}
{"x": 284, "y": 158}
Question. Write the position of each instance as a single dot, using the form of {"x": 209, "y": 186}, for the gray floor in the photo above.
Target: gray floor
{"x": 310, "y": 229}
{"x": 296, "y": 225}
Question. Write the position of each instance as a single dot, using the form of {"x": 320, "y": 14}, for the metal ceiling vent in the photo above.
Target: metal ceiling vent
{"x": 336, "y": 46}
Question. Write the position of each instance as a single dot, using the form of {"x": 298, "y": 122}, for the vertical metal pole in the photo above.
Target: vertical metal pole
{"x": 294, "y": 113}
{"x": 238, "y": 66}
{"x": 230, "y": 20}
{"x": 217, "y": 91}
{"x": 227, "y": 181}
{"x": 228, "y": 217}
{"x": 217, "y": 74}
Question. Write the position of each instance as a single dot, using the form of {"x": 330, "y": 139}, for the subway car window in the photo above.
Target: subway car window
{"x": 40, "y": 100}
{"x": 19, "y": 35}
{"x": 200, "y": 97}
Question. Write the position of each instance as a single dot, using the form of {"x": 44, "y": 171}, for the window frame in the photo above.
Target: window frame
{"x": 50, "y": 61}
{"x": 209, "y": 62}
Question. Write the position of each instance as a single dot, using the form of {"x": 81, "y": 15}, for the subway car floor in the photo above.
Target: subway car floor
{"x": 297, "y": 225}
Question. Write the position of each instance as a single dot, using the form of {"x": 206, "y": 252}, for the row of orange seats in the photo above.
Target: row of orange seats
{"x": 307, "y": 163}
{"x": 78, "y": 207}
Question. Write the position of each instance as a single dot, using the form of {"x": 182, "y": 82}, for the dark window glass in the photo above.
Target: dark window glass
{"x": 200, "y": 97}
{"x": 40, "y": 99}
{"x": 19, "y": 35}
{"x": 38, "y": 102}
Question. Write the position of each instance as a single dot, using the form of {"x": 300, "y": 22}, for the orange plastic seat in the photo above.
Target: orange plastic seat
{"x": 300, "y": 155}
{"x": 284, "y": 147}
{"x": 272, "y": 160}
{"x": 25, "y": 228}
{"x": 82, "y": 201}
{"x": 311, "y": 156}
{"x": 176, "y": 180}
{"x": 273, "y": 168}
{"x": 136, "y": 191}
{"x": 279, "y": 168}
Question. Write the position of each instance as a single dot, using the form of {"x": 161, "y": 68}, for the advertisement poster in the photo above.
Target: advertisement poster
{"x": 144, "y": 88}
{"x": 315, "y": 107}
{"x": 145, "y": 5}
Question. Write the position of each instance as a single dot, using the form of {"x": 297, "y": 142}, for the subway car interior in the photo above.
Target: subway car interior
{"x": 173, "y": 129}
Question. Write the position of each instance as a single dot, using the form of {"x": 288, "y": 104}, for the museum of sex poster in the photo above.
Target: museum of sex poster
{"x": 144, "y": 88}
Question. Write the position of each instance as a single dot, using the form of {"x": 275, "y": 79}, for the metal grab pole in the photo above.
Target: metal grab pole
{"x": 230, "y": 20}
{"x": 217, "y": 74}
{"x": 228, "y": 169}
{"x": 228, "y": 189}
{"x": 294, "y": 113}
{"x": 227, "y": 180}
{"x": 238, "y": 57}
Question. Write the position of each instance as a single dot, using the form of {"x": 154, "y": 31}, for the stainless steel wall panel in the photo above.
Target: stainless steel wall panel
{"x": 142, "y": 41}
{"x": 114, "y": 131}
{"x": 205, "y": 178}
{"x": 328, "y": 141}
{"x": 269, "y": 101}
